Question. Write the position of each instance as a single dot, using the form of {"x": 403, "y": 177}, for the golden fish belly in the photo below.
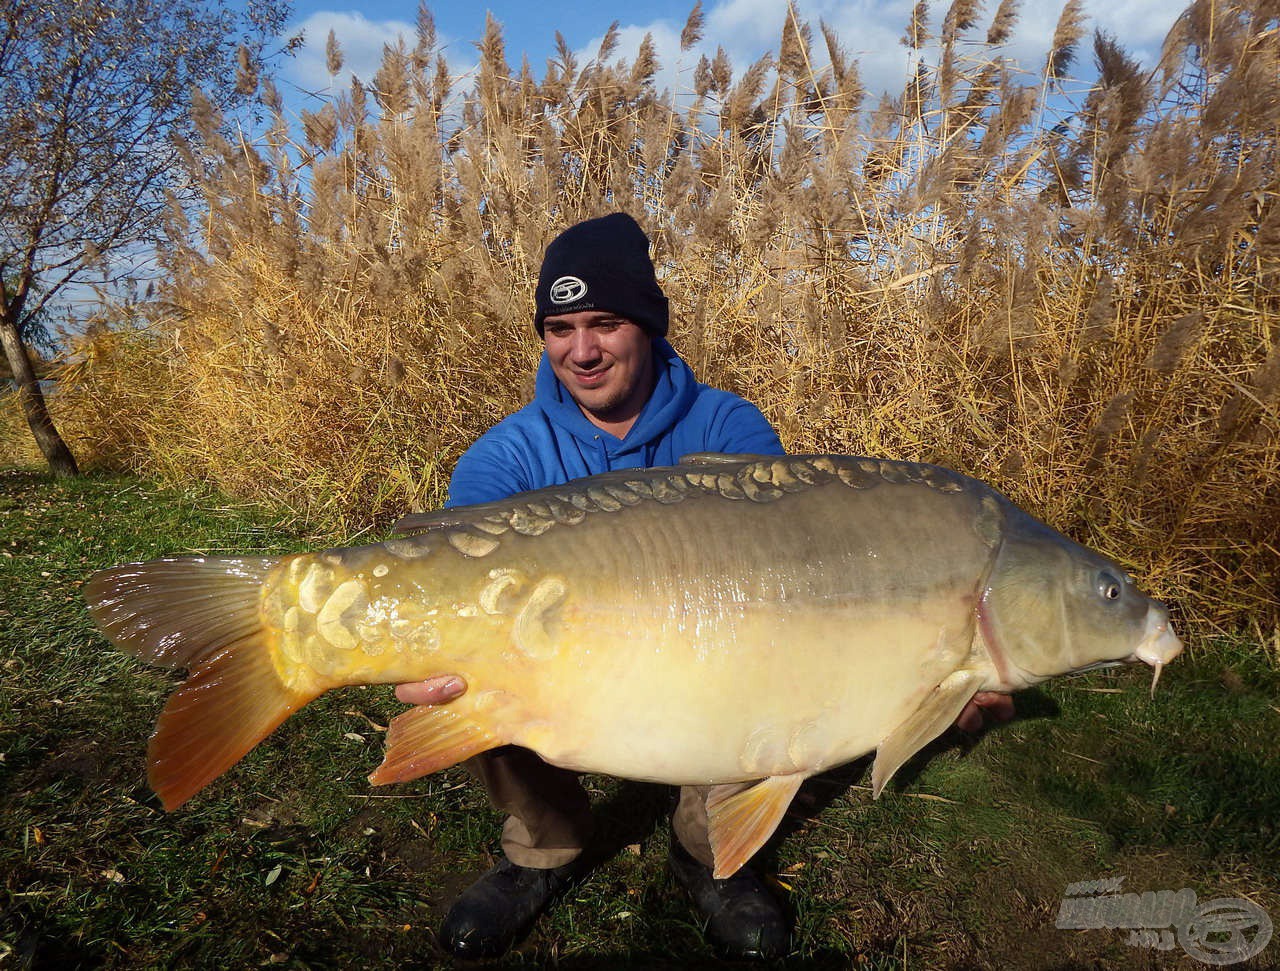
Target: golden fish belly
{"x": 774, "y": 693}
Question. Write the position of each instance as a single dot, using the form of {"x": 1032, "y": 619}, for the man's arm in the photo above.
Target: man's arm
{"x": 741, "y": 428}
{"x": 486, "y": 472}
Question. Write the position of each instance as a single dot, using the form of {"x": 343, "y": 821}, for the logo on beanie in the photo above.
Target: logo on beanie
{"x": 567, "y": 289}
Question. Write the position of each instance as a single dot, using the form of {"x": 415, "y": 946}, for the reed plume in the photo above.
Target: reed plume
{"x": 1081, "y": 311}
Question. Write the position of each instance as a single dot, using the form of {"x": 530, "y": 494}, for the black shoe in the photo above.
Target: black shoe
{"x": 743, "y": 920}
{"x": 499, "y": 908}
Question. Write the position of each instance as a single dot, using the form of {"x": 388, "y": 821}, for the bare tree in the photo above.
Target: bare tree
{"x": 94, "y": 96}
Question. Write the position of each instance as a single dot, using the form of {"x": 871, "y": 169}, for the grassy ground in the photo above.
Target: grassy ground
{"x": 291, "y": 860}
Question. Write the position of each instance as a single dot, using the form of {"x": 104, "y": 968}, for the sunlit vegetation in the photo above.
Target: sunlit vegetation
{"x": 1069, "y": 293}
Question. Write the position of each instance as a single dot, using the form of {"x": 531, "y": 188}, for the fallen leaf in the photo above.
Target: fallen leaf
{"x": 372, "y": 724}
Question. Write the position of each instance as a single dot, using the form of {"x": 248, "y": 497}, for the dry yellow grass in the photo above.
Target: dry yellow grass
{"x": 1079, "y": 307}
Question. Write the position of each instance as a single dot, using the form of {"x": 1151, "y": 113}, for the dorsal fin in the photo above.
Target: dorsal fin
{"x": 724, "y": 458}
{"x": 584, "y": 490}
{"x": 425, "y": 522}
{"x": 698, "y": 473}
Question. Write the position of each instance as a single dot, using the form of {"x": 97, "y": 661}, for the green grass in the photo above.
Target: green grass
{"x": 291, "y": 860}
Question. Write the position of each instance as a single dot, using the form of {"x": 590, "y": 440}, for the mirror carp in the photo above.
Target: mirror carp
{"x": 731, "y": 620}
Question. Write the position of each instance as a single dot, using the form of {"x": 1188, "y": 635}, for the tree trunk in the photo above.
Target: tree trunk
{"x": 61, "y": 461}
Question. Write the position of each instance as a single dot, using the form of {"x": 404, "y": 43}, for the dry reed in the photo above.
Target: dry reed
{"x": 1079, "y": 308}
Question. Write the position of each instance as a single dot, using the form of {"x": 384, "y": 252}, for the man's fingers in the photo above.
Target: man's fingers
{"x": 998, "y": 706}
{"x": 970, "y": 719}
{"x": 434, "y": 691}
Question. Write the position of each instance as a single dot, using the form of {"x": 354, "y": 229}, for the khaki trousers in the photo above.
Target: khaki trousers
{"x": 549, "y": 820}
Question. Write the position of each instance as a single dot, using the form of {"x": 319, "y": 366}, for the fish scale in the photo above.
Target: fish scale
{"x": 732, "y": 619}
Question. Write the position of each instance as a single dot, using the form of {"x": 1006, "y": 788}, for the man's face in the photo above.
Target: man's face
{"x": 605, "y": 361}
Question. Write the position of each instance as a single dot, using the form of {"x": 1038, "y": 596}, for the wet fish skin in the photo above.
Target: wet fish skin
{"x": 726, "y": 620}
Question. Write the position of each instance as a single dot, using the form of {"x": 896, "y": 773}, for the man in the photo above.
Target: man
{"x": 611, "y": 393}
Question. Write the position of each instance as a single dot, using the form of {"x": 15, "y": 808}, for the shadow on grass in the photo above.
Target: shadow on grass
{"x": 820, "y": 792}
{"x": 631, "y": 961}
{"x": 633, "y": 812}
{"x": 37, "y": 944}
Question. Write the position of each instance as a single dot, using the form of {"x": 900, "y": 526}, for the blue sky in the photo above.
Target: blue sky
{"x": 746, "y": 28}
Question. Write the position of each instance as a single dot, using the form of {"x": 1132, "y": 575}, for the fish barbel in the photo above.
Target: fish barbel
{"x": 731, "y": 619}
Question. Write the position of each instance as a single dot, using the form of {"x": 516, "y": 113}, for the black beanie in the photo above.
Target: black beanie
{"x": 602, "y": 264}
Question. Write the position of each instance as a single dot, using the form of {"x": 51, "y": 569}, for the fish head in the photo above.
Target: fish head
{"x": 1053, "y": 607}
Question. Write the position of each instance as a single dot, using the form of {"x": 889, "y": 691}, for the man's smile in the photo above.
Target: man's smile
{"x": 591, "y": 378}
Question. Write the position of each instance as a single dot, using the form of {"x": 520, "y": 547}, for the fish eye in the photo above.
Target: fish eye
{"x": 1109, "y": 587}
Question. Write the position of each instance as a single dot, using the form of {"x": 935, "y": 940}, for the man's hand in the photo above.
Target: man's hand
{"x": 434, "y": 691}
{"x": 998, "y": 706}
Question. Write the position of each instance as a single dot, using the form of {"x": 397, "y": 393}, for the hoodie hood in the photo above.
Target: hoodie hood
{"x": 673, "y": 394}
{"x": 550, "y": 441}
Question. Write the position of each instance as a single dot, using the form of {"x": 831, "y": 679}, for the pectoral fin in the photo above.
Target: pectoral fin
{"x": 741, "y": 821}
{"x": 429, "y": 738}
{"x": 938, "y": 711}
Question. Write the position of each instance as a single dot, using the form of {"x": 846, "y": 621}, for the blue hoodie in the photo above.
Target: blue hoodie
{"x": 550, "y": 441}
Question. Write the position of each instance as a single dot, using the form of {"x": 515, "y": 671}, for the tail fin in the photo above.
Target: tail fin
{"x": 204, "y": 615}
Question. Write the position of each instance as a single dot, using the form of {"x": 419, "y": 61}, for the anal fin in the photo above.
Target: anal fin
{"x": 935, "y": 714}
{"x": 740, "y": 821}
{"x": 429, "y": 738}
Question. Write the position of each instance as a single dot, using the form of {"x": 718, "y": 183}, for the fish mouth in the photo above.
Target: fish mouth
{"x": 1159, "y": 644}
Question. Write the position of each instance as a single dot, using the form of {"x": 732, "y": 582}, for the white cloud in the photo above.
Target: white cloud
{"x": 742, "y": 25}
{"x": 361, "y": 40}
{"x": 675, "y": 68}
{"x": 870, "y": 30}
{"x": 746, "y": 29}
{"x": 1139, "y": 25}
